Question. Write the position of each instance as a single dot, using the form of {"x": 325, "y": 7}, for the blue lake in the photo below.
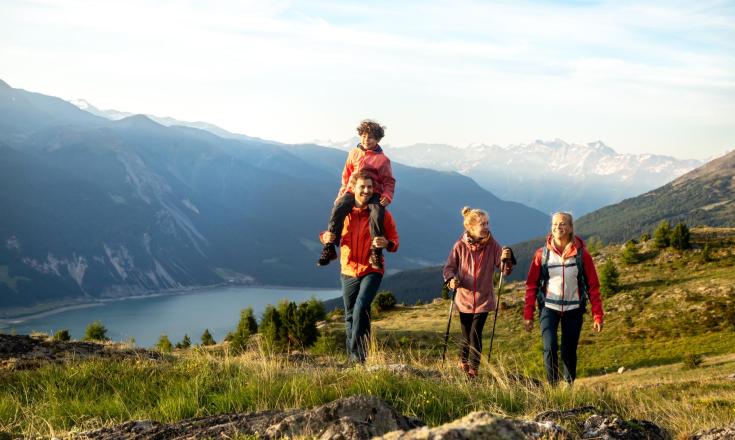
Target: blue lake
{"x": 145, "y": 319}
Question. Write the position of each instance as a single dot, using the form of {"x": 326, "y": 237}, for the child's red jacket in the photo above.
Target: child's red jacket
{"x": 374, "y": 162}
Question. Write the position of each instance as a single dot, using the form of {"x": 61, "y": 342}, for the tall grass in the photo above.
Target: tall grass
{"x": 58, "y": 399}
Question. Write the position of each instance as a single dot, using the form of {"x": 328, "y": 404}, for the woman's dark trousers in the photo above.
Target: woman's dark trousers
{"x": 470, "y": 349}
{"x": 571, "y": 327}
{"x": 344, "y": 205}
{"x": 358, "y": 294}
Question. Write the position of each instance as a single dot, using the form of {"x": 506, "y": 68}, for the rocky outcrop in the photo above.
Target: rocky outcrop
{"x": 726, "y": 433}
{"x": 615, "y": 428}
{"x": 481, "y": 426}
{"x": 356, "y": 417}
{"x": 19, "y": 352}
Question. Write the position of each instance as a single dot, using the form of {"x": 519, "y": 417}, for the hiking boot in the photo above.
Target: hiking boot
{"x": 464, "y": 366}
{"x": 472, "y": 373}
{"x": 376, "y": 258}
{"x": 329, "y": 253}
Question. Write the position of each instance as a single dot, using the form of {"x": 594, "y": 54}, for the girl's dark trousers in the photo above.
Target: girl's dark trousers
{"x": 470, "y": 349}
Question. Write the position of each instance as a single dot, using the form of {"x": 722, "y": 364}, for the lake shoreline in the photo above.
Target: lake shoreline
{"x": 13, "y": 319}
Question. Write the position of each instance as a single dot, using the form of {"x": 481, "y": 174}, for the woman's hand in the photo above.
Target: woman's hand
{"x": 528, "y": 325}
{"x": 453, "y": 283}
{"x": 597, "y": 326}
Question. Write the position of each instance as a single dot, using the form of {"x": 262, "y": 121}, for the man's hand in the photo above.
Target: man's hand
{"x": 528, "y": 325}
{"x": 597, "y": 326}
{"x": 328, "y": 237}
{"x": 380, "y": 242}
{"x": 384, "y": 201}
{"x": 453, "y": 283}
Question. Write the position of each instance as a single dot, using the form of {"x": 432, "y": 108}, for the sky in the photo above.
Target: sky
{"x": 643, "y": 77}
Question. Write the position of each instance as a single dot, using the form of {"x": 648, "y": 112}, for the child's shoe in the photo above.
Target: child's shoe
{"x": 329, "y": 253}
{"x": 376, "y": 258}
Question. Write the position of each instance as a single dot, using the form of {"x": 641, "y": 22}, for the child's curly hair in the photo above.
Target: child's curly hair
{"x": 371, "y": 127}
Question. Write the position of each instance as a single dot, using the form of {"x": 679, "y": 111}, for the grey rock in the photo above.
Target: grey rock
{"x": 726, "y": 433}
{"x": 563, "y": 414}
{"x": 615, "y": 428}
{"x": 483, "y": 425}
{"x": 22, "y": 352}
{"x": 352, "y": 418}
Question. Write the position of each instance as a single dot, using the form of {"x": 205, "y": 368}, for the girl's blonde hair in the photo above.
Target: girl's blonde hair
{"x": 473, "y": 216}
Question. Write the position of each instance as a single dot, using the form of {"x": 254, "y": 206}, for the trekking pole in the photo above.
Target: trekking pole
{"x": 449, "y": 324}
{"x": 497, "y": 306}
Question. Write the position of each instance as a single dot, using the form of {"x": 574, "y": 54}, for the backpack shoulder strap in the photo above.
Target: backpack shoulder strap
{"x": 584, "y": 286}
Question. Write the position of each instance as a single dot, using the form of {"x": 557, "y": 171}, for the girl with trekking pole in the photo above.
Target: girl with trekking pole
{"x": 561, "y": 279}
{"x": 469, "y": 269}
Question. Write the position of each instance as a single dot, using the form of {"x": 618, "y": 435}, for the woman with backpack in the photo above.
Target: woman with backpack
{"x": 561, "y": 278}
{"x": 469, "y": 269}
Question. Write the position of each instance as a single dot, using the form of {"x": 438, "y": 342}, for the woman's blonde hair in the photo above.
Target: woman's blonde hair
{"x": 569, "y": 218}
{"x": 473, "y": 216}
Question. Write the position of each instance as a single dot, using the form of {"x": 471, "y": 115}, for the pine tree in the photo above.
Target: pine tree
{"x": 246, "y": 327}
{"x": 185, "y": 343}
{"x": 662, "y": 234}
{"x": 271, "y": 328}
{"x": 609, "y": 279}
{"x": 679, "y": 238}
{"x": 706, "y": 256}
{"x": 164, "y": 344}
{"x": 207, "y": 338}
{"x": 62, "y": 335}
{"x": 630, "y": 253}
{"x": 95, "y": 332}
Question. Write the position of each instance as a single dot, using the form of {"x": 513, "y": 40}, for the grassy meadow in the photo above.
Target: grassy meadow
{"x": 671, "y": 326}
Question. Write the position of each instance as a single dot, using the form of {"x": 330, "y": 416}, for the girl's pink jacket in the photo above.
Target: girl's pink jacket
{"x": 474, "y": 264}
{"x": 376, "y": 163}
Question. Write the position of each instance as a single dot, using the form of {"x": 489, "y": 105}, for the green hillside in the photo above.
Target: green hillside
{"x": 671, "y": 326}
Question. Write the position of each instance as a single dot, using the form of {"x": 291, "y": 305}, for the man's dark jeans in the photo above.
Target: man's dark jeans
{"x": 344, "y": 205}
{"x": 571, "y": 327}
{"x": 358, "y": 294}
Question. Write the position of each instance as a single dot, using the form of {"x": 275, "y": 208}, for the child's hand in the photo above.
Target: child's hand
{"x": 384, "y": 201}
{"x": 328, "y": 237}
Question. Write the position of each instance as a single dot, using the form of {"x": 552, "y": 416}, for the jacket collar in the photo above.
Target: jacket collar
{"x": 575, "y": 246}
{"x": 377, "y": 150}
{"x": 475, "y": 244}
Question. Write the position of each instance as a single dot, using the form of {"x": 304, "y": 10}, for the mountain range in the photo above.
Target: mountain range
{"x": 109, "y": 208}
{"x": 702, "y": 197}
{"x": 548, "y": 175}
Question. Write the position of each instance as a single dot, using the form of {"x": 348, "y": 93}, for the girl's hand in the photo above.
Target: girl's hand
{"x": 384, "y": 201}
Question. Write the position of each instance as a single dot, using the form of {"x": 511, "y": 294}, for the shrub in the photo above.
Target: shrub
{"x": 185, "y": 343}
{"x": 706, "y": 255}
{"x": 316, "y": 309}
{"x": 95, "y": 332}
{"x": 609, "y": 279}
{"x": 246, "y": 327}
{"x": 692, "y": 360}
{"x": 298, "y": 323}
{"x": 62, "y": 335}
{"x": 630, "y": 253}
{"x": 207, "y": 338}
{"x": 662, "y": 235}
{"x": 385, "y": 301}
{"x": 271, "y": 328}
{"x": 164, "y": 344}
{"x": 679, "y": 238}
{"x": 645, "y": 237}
